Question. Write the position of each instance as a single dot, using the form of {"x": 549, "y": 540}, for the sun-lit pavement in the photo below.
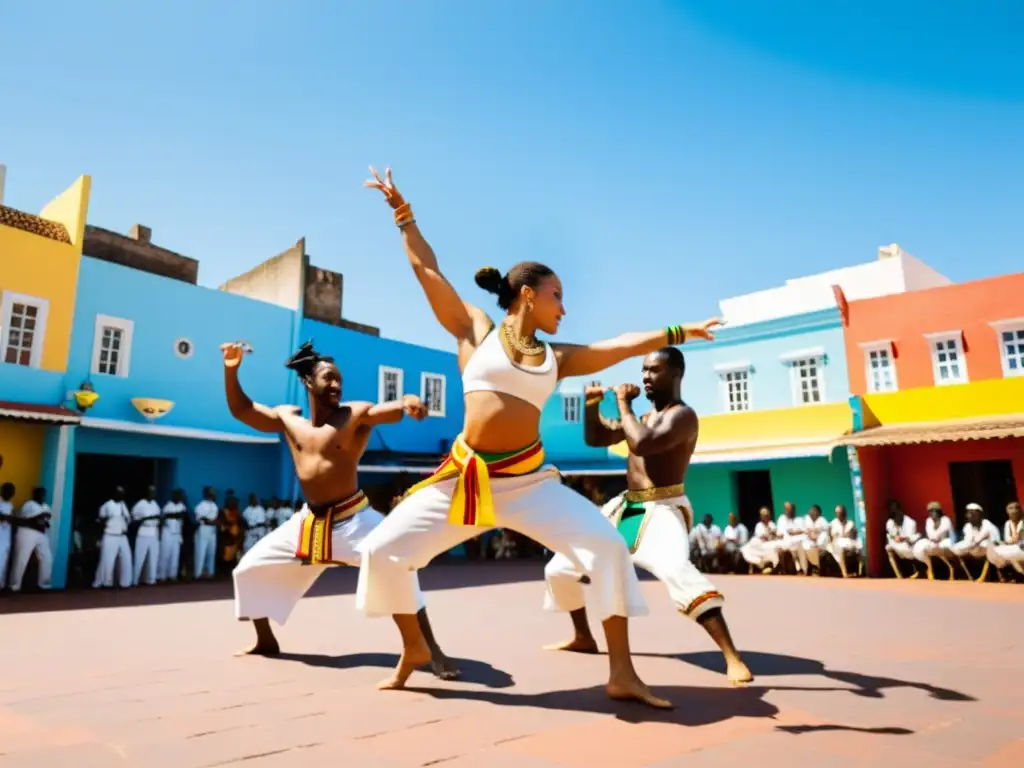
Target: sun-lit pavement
{"x": 849, "y": 673}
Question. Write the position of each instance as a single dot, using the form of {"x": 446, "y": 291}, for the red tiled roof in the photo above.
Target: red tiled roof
{"x": 34, "y": 412}
{"x": 978, "y": 428}
{"x": 37, "y": 225}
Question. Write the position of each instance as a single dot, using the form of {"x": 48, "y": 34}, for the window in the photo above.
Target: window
{"x": 432, "y": 393}
{"x": 806, "y": 380}
{"x": 1011, "y": 345}
{"x": 22, "y": 328}
{"x": 571, "y": 408}
{"x": 734, "y": 385}
{"x": 948, "y": 363}
{"x": 112, "y": 346}
{"x": 879, "y": 366}
{"x": 390, "y": 384}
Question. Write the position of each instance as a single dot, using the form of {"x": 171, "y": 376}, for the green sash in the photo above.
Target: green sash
{"x": 630, "y": 521}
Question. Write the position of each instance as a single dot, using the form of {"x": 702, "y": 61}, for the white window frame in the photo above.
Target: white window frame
{"x": 882, "y": 345}
{"x": 382, "y": 372}
{"x": 124, "y": 359}
{"x": 444, "y": 392}
{"x": 578, "y": 400}
{"x": 10, "y": 298}
{"x": 1000, "y": 327}
{"x": 723, "y": 370}
{"x": 958, "y": 337}
{"x": 793, "y": 360}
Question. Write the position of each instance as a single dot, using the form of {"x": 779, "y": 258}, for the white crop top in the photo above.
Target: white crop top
{"x": 489, "y": 369}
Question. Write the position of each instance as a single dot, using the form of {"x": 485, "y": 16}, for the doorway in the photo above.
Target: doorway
{"x": 753, "y": 491}
{"x": 988, "y": 483}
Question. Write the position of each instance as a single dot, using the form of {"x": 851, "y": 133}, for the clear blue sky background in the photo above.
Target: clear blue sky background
{"x": 660, "y": 155}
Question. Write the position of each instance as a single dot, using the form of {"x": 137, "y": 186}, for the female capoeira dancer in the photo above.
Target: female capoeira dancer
{"x": 326, "y": 448}
{"x": 654, "y": 516}
{"x": 495, "y": 475}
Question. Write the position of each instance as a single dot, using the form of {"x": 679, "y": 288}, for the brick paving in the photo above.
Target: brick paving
{"x": 849, "y": 673}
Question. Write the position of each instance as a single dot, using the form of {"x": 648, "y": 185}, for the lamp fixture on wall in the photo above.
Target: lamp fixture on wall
{"x": 152, "y": 408}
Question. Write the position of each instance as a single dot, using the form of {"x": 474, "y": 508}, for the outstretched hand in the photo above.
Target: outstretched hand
{"x": 414, "y": 407}
{"x": 703, "y": 330}
{"x": 233, "y": 353}
{"x": 386, "y": 186}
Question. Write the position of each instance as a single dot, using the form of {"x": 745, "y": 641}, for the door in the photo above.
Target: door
{"x": 988, "y": 483}
{"x": 753, "y": 491}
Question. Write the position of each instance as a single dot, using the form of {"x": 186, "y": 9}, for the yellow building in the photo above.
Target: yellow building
{"x": 39, "y": 263}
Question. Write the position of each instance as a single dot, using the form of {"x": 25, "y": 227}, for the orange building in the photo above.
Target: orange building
{"x": 937, "y": 378}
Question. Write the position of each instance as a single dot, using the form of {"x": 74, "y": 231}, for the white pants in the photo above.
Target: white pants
{"x": 270, "y": 580}
{"x": 663, "y": 550}
{"x": 252, "y": 536}
{"x": 205, "y": 549}
{"x": 28, "y": 542}
{"x": 147, "y": 553}
{"x": 925, "y": 549}
{"x": 536, "y": 505}
{"x": 1002, "y": 555}
{"x": 969, "y": 549}
{"x": 760, "y": 553}
{"x": 809, "y": 551}
{"x": 114, "y": 549}
{"x": 902, "y": 549}
{"x": 170, "y": 557}
{"x": 5, "y": 552}
{"x": 796, "y": 546}
{"x": 839, "y": 548}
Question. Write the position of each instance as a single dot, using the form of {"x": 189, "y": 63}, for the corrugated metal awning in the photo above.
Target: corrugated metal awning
{"x": 53, "y": 414}
{"x": 952, "y": 430}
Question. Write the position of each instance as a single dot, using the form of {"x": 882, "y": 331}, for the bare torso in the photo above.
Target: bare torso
{"x": 666, "y": 468}
{"x": 326, "y": 457}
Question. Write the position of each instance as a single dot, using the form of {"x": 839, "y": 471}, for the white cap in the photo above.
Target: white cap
{"x": 972, "y": 505}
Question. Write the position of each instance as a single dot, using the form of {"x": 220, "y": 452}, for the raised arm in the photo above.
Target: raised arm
{"x": 599, "y": 431}
{"x": 587, "y": 359}
{"x": 462, "y": 320}
{"x": 259, "y": 417}
{"x": 678, "y": 427}
{"x": 371, "y": 415}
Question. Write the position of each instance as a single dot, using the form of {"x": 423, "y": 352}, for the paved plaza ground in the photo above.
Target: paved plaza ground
{"x": 848, "y": 673}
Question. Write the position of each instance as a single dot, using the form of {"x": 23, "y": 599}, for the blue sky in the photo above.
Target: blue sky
{"x": 659, "y": 155}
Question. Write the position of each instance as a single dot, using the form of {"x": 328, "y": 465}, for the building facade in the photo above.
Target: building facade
{"x": 40, "y": 258}
{"x": 938, "y": 383}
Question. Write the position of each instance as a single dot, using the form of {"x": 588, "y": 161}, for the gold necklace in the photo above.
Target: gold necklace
{"x": 518, "y": 344}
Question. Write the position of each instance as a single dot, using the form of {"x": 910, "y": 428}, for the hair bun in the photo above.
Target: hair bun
{"x": 490, "y": 279}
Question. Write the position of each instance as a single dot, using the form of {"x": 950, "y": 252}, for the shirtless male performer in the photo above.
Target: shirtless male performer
{"x": 326, "y": 448}
{"x": 654, "y": 515}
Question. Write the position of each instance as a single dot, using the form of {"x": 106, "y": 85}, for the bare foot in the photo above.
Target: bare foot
{"x": 444, "y": 668}
{"x": 737, "y": 672}
{"x": 270, "y": 648}
{"x": 576, "y": 645}
{"x": 412, "y": 659}
{"x": 632, "y": 688}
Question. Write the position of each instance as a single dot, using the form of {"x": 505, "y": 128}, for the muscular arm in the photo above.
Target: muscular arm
{"x": 587, "y": 359}
{"x": 371, "y": 415}
{"x": 597, "y": 430}
{"x": 679, "y": 426}
{"x": 259, "y": 417}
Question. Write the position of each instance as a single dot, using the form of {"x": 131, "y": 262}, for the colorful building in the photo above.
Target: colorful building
{"x": 938, "y": 383}
{"x": 39, "y": 266}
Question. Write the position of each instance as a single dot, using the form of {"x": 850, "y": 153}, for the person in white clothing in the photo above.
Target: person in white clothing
{"x": 792, "y": 535}
{"x": 205, "y": 542}
{"x": 31, "y": 539}
{"x": 761, "y": 552}
{"x": 114, "y": 549}
{"x": 284, "y": 512}
{"x": 171, "y": 537}
{"x": 706, "y": 539}
{"x": 815, "y": 540}
{"x": 7, "y": 523}
{"x": 1011, "y": 551}
{"x": 901, "y": 536}
{"x": 979, "y": 535}
{"x": 255, "y": 518}
{"x": 937, "y": 541}
{"x": 734, "y": 537}
{"x": 843, "y": 540}
{"x": 146, "y": 513}
{"x": 495, "y": 476}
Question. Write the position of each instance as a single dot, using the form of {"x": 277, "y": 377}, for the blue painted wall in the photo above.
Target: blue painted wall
{"x": 163, "y": 311}
{"x": 563, "y": 440}
{"x": 22, "y": 384}
{"x": 359, "y": 356}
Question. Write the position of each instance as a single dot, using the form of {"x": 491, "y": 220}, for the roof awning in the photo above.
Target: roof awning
{"x": 53, "y": 414}
{"x": 949, "y": 430}
{"x": 720, "y": 454}
{"x": 188, "y": 433}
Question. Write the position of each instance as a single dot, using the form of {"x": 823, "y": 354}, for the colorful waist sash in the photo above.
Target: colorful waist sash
{"x": 314, "y": 546}
{"x": 472, "y": 503}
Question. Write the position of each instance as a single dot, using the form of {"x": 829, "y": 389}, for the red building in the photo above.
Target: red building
{"x": 938, "y": 383}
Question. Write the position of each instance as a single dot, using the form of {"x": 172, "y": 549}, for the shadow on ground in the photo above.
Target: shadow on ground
{"x": 473, "y": 671}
